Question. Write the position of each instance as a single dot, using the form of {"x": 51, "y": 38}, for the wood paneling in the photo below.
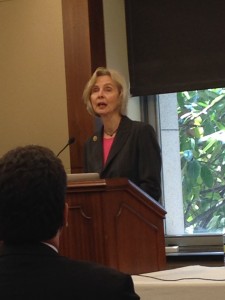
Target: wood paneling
{"x": 84, "y": 48}
{"x": 114, "y": 223}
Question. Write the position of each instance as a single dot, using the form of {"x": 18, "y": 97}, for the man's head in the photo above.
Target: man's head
{"x": 32, "y": 195}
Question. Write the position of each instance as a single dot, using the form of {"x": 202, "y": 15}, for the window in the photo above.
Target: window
{"x": 202, "y": 144}
{"x": 194, "y": 185}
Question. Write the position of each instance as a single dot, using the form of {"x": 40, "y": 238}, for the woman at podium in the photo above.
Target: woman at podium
{"x": 121, "y": 147}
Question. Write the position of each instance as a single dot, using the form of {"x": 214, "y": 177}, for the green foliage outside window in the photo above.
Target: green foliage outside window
{"x": 202, "y": 147}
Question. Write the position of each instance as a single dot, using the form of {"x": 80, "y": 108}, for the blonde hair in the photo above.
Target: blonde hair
{"x": 117, "y": 78}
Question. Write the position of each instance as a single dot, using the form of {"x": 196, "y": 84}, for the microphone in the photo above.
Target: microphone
{"x": 70, "y": 141}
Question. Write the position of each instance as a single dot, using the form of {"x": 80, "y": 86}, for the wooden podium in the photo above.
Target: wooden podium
{"x": 113, "y": 222}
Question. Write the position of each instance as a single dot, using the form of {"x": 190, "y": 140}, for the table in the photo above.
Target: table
{"x": 192, "y": 282}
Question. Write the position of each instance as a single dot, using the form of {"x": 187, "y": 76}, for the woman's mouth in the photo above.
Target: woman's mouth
{"x": 101, "y": 105}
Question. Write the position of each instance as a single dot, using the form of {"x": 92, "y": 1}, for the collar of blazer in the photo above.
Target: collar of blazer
{"x": 27, "y": 249}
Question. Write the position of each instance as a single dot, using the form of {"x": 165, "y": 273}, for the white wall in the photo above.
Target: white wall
{"x": 116, "y": 46}
{"x": 32, "y": 76}
{"x": 171, "y": 168}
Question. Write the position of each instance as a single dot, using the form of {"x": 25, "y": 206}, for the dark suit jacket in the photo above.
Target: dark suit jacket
{"x": 135, "y": 154}
{"x": 38, "y": 272}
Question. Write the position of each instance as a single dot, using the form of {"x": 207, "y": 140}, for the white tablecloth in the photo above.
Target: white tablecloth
{"x": 188, "y": 283}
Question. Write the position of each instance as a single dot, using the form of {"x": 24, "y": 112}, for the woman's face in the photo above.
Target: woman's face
{"x": 105, "y": 96}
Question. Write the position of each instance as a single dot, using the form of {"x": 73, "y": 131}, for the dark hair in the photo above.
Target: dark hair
{"x": 32, "y": 194}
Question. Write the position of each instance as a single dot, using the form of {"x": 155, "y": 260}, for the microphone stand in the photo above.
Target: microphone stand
{"x": 70, "y": 141}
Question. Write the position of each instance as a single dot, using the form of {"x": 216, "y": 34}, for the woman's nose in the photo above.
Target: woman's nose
{"x": 100, "y": 93}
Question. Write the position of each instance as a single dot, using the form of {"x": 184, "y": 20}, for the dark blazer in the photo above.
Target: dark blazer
{"x": 38, "y": 272}
{"x": 135, "y": 154}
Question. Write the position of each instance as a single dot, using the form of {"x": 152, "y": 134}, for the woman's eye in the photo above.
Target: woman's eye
{"x": 108, "y": 89}
{"x": 94, "y": 90}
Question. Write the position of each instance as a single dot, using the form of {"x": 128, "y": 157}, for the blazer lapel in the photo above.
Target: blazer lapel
{"x": 97, "y": 151}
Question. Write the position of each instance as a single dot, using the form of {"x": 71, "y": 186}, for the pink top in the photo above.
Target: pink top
{"x": 107, "y": 144}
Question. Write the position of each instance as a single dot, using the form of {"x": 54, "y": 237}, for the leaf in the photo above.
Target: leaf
{"x": 207, "y": 176}
{"x": 193, "y": 170}
{"x": 198, "y": 121}
{"x": 199, "y": 131}
{"x": 213, "y": 222}
{"x": 210, "y": 142}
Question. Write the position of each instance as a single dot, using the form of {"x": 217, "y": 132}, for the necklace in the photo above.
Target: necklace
{"x": 112, "y": 133}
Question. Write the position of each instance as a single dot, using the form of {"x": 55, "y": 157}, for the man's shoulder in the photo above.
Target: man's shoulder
{"x": 91, "y": 268}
